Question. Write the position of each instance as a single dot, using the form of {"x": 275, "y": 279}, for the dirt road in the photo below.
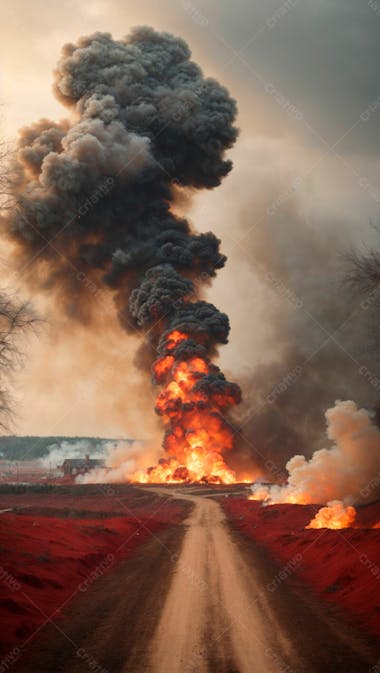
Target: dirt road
{"x": 212, "y": 614}
{"x": 196, "y": 599}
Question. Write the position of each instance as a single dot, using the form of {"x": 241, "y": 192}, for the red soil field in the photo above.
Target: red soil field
{"x": 342, "y": 566}
{"x": 60, "y": 541}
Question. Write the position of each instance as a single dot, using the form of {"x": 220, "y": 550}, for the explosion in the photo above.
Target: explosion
{"x": 191, "y": 404}
{"x": 335, "y": 516}
{"x": 348, "y": 471}
{"x": 93, "y": 208}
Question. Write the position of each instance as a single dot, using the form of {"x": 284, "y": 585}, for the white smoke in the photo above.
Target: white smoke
{"x": 121, "y": 461}
{"x": 348, "y": 471}
{"x": 335, "y": 515}
{"x": 58, "y": 452}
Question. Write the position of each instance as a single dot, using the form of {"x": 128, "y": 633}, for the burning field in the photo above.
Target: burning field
{"x": 109, "y": 185}
{"x": 145, "y": 124}
{"x": 240, "y": 541}
{"x": 83, "y": 562}
{"x": 335, "y": 555}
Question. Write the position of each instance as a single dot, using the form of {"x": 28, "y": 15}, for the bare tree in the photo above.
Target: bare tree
{"x": 364, "y": 271}
{"x": 363, "y": 276}
{"x": 16, "y": 320}
{"x": 16, "y": 316}
{"x": 6, "y": 151}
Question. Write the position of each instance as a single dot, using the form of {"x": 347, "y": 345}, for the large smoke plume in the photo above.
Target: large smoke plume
{"x": 316, "y": 328}
{"x": 348, "y": 471}
{"x": 93, "y": 204}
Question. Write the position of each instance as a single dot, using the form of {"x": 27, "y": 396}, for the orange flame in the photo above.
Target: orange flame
{"x": 175, "y": 338}
{"x": 197, "y": 434}
{"x": 262, "y": 493}
{"x": 335, "y": 516}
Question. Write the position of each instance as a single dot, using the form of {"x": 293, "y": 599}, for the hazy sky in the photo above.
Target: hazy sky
{"x": 304, "y": 73}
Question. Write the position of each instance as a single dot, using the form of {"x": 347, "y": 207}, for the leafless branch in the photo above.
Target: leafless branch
{"x": 16, "y": 317}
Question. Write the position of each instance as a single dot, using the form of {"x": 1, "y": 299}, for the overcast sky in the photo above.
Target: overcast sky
{"x": 305, "y": 76}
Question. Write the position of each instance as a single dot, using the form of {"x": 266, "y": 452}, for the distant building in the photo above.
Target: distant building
{"x": 74, "y": 466}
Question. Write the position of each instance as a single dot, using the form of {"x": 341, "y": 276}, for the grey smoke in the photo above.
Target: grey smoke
{"x": 319, "y": 333}
{"x": 58, "y": 452}
{"x": 144, "y": 122}
{"x": 143, "y": 114}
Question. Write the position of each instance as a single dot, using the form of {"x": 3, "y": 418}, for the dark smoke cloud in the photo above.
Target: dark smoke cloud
{"x": 319, "y": 333}
{"x": 93, "y": 194}
{"x": 157, "y": 294}
{"x": 143, "y": 119}
{"x": 202, "y": 318}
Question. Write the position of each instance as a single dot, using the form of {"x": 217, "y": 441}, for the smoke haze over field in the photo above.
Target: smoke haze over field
{"x": 348, "y": 471}
{"x": 291, "y": 203}
{"x": 58, "y": 452}
{"x": 320, "y": 332}
{"x": 101, "y": 185}
{"x": 121, "y": 460}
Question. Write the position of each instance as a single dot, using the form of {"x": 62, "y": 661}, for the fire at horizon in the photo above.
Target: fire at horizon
{"x": 144, "y": 123}
{"x": 192, "y": 410}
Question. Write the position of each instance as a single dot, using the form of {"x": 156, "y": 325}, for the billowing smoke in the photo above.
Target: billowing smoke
{"x": 59, "y": 451}
{"x": 348, "y": 471}
{"x": 93, "y": 204}
{"x": 121, "y": 461}
{"x": 317, "y": 331}
{"x": 335, "y": 515}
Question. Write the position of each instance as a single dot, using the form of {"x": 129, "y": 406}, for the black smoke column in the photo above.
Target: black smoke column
{"x": 93, "y": 197}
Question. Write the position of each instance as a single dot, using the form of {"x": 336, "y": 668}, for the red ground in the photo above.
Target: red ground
{"x": 49, "y": 553}
{"x": 343, "y": 566}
